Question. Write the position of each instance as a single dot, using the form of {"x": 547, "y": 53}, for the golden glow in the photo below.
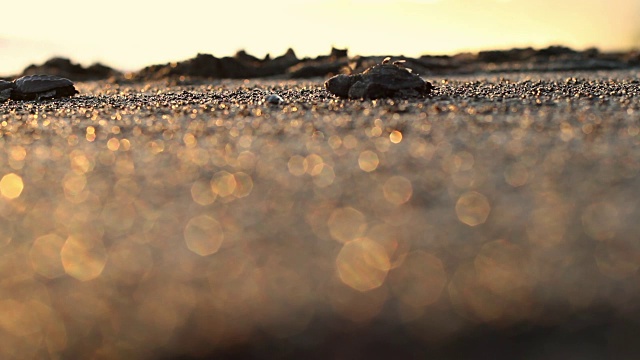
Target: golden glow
{"x": 473, "y": 208}
{"x": 223, "y": 184}
{"x": 395, "y": 136}
{"x": 363, "y": 264}
{"x": 297, "y": 165}
{"x": 346, "y": 224}
{"x": 397, "y": 190}
{"x": 407, "y": 27}
{"x": 45, "y": 256}
{"x": 83, "y": 258}
{"x": 203, "y": 235}
{"x": 368, "y": 161}
{"x": 11, "y": 186}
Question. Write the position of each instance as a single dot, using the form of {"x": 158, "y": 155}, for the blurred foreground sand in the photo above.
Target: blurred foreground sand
{"x": 498, "y": 218}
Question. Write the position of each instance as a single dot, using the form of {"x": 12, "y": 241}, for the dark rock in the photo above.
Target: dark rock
{"x": 203, "y": 65}
{"x": 63, "y": 67}
{"x": 279, "y": 65}
{"x": 339, "y": 53}
{"x": 316, "y": 68}
{"x": 335, "y": 54}
{"x": 99, "y": 71}
{"x": 289, "y": 56}
{"x": 500, "y": 56}
{"x": 242, "y": 56}
{"x": 243, "y": 65}
{"x": 553, "y": 51}
{"x": 232, "y": 68}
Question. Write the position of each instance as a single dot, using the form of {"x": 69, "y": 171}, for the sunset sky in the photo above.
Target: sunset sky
{"x": 131, "y": 34}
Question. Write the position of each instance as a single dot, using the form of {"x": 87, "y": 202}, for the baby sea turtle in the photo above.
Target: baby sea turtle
{"x": 36, "y": 87}
{"x": 379, "y": 81}
{"x": 6, "y": 88}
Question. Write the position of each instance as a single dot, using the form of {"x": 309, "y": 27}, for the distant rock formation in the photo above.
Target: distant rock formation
{"x": 63, "y": 67}
{"x": 244, "y": 66}
{"x": 241, "y": 66}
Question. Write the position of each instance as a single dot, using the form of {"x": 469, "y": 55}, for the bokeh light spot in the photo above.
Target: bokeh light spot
{"x": 473, "y": 208}
{"x": 297, "y": 165}
{"x": 363, "y": 264}
{"x": 80, "y": 163}
{"x": 323, "y": 175}
{"x": 395, "y": 136}
{"x": 202, "y": 194}
{"x": 244, "y": 185}
{"x": 74, "y": 183}
{"x": 314, "y": 164}
{"x": 113, "y": 144}
{"x": 397, "y": 190}
{"x": 346, "y": 224}
{"x": 223, "y": 183}
{"x": 83, "y": 258}
{"x": 368, "y": 161}
{"x": 203, "y": 235}
{"x": 11, "y": 186}
{"x": 45, "y": 256}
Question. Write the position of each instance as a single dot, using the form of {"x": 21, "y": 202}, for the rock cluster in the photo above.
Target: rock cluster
{"x": 63, "y": 67}
{"x": 288, "y": 65}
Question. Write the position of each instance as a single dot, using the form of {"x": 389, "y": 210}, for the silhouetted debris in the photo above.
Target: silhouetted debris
{"x": 555, "y": 51}
{"x": 244, "y": 66}
{"x": 242, "y": 56}
{"x": 316, "y": 68}
{"x": 63, "y": 67}
{"x": 203, "y": 65}
{"x": 500, "y": 56}
{"x": 279, "y": 65}
{"x": 335, "y": 54}
{"x": 339, "y": 53}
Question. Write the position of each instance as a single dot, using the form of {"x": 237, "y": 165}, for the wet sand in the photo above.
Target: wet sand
{"x": 497, "y": 218}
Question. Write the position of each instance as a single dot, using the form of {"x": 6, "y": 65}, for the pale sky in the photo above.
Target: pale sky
{"x": 129, "y": 34}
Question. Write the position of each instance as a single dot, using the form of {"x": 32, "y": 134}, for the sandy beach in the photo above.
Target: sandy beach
{"x": 190, "y": 219}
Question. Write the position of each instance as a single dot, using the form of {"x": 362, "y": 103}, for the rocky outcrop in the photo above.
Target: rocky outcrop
{"x": 63, "y": 67}
{"x": 243, "y": 65}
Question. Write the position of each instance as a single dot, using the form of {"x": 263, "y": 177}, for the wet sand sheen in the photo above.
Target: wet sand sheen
{"x": 496, "y": 215}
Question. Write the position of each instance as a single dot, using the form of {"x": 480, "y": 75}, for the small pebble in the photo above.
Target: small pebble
{"x": 274, "y": 99}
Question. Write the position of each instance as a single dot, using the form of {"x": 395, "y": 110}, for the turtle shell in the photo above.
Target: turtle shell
{"x": 384, "y": 80}
{"x": 6, "y": 88}
{"x": 6, "y": 85}
{"x": 42, "y": 86}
